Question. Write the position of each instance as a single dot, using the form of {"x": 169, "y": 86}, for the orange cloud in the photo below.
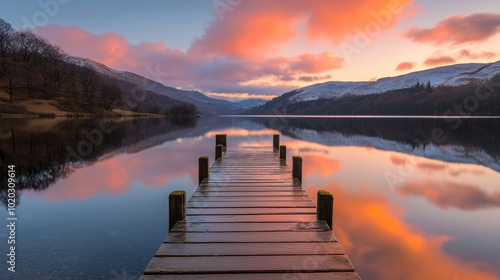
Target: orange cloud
{"x": 375, "y": 236}
{"x": 448, "y": 195}
{"x": 405, "y": 66}
{"x": 467, "y": 54}
{"x": 221, "y": 74}
{"x": 439, "y": 60}
{"x": 106, "y": 48}
{"x": 256, "y": 29}
{"x": 311, "y": 63}
{"x": 458, "y": 30}
{"x": 245, "y": 47}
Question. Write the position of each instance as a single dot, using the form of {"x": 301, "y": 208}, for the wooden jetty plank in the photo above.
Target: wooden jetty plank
{"x": 242, "y": 227}
{"x": 248, "y": 249}
{"x": 253, "y": 276}
{"x": 251, "y": 204}
{"x": 249, "y": 219}
{"x": 249, "y": 211}
{"x": 246, "y": 193}
{"x": 240, "y": 189}
{"x": 268, "y": 198}
{"x": 252, "y": 219}
{"x": 250, "y": 237}
{"x": 245, "y": 264}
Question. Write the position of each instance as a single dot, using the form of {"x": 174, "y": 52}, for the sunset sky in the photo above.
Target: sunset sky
{"x": 236, "y": 49}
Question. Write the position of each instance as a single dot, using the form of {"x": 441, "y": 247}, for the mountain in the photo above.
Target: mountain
{"x": 439, "y": 91}
{"x": 251, "y": 102}
{"x": 206, "y": 105}
{"x": 454, "y": 75}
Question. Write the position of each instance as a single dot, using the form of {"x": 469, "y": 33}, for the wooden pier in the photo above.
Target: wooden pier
{"x": 250, "y": 219}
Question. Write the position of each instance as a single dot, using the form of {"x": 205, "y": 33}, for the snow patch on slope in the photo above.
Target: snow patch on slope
{"x": 454, "y": 75}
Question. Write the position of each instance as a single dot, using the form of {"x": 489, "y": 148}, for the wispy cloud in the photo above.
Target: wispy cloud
{"x": 458, "y": 30}
{"x": 403, "y": 66}
{"x": 245, "y": 50}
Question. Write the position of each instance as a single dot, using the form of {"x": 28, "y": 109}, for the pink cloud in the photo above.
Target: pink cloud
{"x": 241, "y": 49}
{"x": 458, "y": 30}
{"x": 255, "y": 29}
{"x": 439, "y": 60}
{"x": 405, "y": 66}
{"x": 176, "y": 67}
{"x": 467, "y": 54}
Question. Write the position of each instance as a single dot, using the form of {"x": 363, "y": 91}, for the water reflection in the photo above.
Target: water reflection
{"x": 406, "y": 207}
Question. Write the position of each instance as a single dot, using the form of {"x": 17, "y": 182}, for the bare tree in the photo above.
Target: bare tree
{"x": 27, "y": 53}
{"x": 5, "y": 37}
{"x": 90, "y": 81}
{"x": 110, "y": 93}
{"x": 53, "y": 67}
{"x": 5, "y": 43}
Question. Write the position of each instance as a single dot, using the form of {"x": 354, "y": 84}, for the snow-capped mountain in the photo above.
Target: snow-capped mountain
{"x": 454, "y": 75}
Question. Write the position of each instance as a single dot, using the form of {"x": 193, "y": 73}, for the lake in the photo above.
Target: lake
{"x": 415, "y": 198}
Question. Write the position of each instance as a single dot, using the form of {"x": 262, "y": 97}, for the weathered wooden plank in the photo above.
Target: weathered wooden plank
{"x": 250, "y": 237}
{"x": 268, "y": 198}
{"x": 246, "y": 193}
{"x": 292, "y": 190}
{"x": 251, "y": 204}
{"x": 266, "y": 185}
{"x": 249, "y": 211}
{"x": 242, "y": 227}
{"x": 244, "y": 264}
{"x": 248, "y": 249}
{"x": 252, "y": 276}
{"x": 252, "y": 219}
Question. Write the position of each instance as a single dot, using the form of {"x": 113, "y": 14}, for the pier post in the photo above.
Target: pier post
{"x": 202, "y": 168}
{"x": 325, "y": 207}
{"x": 221, "y": 139}
{"x": 276, "y": 141}
{"x": 283, "y": 152}
{"x": 176, "y": 208}
{"x": 297, "y": 168}
{"x": 218, "y": 151}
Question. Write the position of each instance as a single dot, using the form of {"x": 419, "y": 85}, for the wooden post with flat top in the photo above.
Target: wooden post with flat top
{"x": 176, "y": 208}
{"x": 221, "y": 139}
{"x": 218, "y": 151}
{"x": 283, "y": 152}
{"x": 276, "y": 141}
{"x": 202, "y": 168}
{"x": 325, "y": 207}
{"x": 297, "y": 168}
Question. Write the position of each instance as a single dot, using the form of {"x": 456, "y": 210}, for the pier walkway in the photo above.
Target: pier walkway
{"x": 250, "y": 219}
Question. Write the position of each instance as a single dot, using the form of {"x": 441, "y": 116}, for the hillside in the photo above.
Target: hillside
{"x": 450, "y": 90}
{"x": 206, "y": 105}
{"x": 39, "y": 78}
{"x": 454, "y": 75}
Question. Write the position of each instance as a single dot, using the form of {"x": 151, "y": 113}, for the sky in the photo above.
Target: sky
{"x": 237, "y": 49}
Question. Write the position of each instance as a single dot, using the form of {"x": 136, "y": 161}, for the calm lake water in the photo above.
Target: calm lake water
{"x": 414, "y": 198}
